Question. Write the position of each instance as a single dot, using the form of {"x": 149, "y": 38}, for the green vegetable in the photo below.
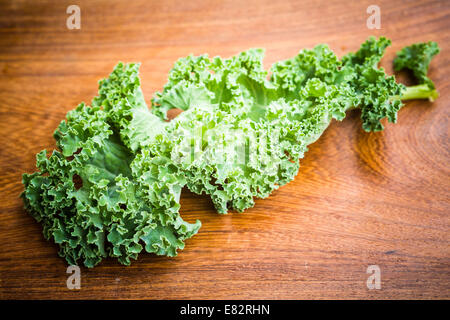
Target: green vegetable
{"x": 417, "y": 58}
{"x": 243, "y": 135}
{"x": 377, "y": 93}
{"x": 96, "y": 197}
{"x": 114, "y": 187}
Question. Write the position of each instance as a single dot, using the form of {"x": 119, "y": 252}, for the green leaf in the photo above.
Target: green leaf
{"x": 113, "y": 188}
{"x": 417, "y": 58}
{"x": 91, "y": 197}
{"x": 378, "y": 95}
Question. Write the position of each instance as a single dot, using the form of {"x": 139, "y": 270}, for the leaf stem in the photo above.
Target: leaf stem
{"x": 421, "y": 91}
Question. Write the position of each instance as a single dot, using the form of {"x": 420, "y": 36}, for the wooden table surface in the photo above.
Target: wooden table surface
{"x": 359, "y": 199}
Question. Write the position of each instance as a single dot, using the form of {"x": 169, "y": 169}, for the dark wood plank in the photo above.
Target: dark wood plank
{"x": 359, "y": 199}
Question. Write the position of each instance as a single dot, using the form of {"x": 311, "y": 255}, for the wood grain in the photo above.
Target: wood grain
{"x": 360, "y": 199}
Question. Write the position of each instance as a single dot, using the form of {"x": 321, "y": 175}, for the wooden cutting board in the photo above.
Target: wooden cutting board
{"x": 359, "y": 199}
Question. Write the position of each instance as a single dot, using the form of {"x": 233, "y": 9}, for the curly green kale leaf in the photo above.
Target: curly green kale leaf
{"x": 324, "y": 69}
{"x": 97, "y": 197}
{"x": 217, "y": 84}
{"x": 378, "y": 95}
{"x": 239, "y": 136}
{"x": 417, "y": 58}
{"x": 357, "y": 80}
{"x": 121, "y": 97}
{"x": 113, "y": 188}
